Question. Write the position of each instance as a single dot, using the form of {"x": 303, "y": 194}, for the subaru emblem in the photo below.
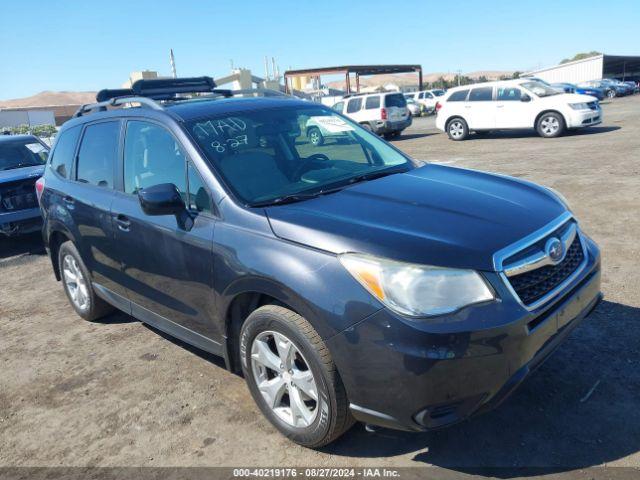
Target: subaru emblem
{"x": 554, "y": 250}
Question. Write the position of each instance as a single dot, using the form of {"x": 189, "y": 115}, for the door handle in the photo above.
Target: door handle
{"x": 123, "y": 222}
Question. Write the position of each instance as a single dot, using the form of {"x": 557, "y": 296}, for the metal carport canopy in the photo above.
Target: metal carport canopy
{"x": 357, "y": 69}
{"x": 621, "y": 66}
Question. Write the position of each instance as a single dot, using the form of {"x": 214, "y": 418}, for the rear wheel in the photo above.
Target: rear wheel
{"x": 611, "y": 93}
{"x": 457, "y": 129}
{"x": 366, "y": 126}
{"x": 77, "y": 284}
{"x": 315, "y": 136}
{"x": 550, "y": 125}
{"x": 292, "y": 378}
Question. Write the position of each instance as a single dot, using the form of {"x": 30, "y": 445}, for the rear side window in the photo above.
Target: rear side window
{"x": 458, "y": 96}
{"x": 354, "y": 105}
{"x": 65, "y": 147}
{"x": 395, "y": 100}
{"x": 483, "y": 94}
{"x": 372, "y": 102}
{"x": 98, "y": 153}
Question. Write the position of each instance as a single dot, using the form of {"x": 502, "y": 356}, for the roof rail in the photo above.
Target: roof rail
{"x": 114, "y": 102}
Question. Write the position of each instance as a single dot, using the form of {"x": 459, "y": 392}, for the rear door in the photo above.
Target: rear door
{"x": 396, "y": 106}
{"x": 511, "y": 111}
{"x": 479, "y": 109}
{"x": 88, "y": 201}
{"x": 167, "y": 264}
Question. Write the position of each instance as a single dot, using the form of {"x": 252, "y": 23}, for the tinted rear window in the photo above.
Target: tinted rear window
{"x": 483, "y": 94}
{"x": 458, "y": 96}
{"x": 395, "y": 100}
{"x": 65, "y": 147}
{"x": 98, "y": 153}
{"x": 354, "y": 105}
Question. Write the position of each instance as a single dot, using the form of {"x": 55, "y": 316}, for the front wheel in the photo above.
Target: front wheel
{"x": 550, "y": 125}
{"x": 292, "y": 377}
{"x": 457, "y": 129}
{"x": 315, "y": 136}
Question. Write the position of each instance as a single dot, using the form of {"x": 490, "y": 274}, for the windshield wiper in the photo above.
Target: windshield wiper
{"x": 295, "y": 197}
{"x": 373, "y": 175}
{"x": 20, "y": 165}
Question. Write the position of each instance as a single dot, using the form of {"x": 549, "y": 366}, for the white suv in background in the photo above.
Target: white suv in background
{"x": 428, "y": 98}
{"x": 383, "y": 113}
{"x": 514, "y": 104}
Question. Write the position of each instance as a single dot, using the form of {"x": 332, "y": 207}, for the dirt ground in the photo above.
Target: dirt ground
{"x": 117, "y": 393}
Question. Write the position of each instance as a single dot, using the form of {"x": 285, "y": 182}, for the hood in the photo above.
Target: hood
{"x": 21, "y": 173}
{"x": 570, "y": 98}
{"x": 434, "y": 215}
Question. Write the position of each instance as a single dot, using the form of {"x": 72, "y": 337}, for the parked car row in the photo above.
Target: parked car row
{"x": 606, "y": 88}
{"x": 514, "y": 104}
{"x": 426, "y": 98}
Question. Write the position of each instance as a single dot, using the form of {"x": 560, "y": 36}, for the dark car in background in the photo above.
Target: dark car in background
{"x": 345, "y": 280}
{"x": 565, "y": 87}
{"x": 22, "y": 160}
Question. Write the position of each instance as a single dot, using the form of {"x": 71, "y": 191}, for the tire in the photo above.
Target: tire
{"x": 367, "y": 127}
{"x": 327, "y": 418}
{"x": 550, "y": 125}
{"x": 83, "y": 299}
{"x": 315, "y": 136}
{"x": 457, "y": 129}
{"x": 611, "y": 93}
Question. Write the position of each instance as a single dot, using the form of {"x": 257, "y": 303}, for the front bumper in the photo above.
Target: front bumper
{"x": 20, "y": 221}
{"x": 584, "y": 118}
{"x": 420, "y": 375}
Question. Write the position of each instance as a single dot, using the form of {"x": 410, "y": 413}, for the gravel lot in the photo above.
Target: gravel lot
{"x": 117, "y": 393}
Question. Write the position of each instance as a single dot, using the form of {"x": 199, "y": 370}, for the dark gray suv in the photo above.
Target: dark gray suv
{"x": 343, "y": 280}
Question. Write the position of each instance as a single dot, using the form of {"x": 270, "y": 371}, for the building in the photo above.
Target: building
{"x": 31, "y": 116}
{"x": 592, "y": 68}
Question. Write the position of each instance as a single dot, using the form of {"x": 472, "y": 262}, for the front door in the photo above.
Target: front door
{"x": 167, "y": 262}
{"x": 511, "y": 110}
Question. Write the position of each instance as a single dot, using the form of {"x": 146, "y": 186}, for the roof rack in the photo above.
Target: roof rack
{"x": 149, "y": 93}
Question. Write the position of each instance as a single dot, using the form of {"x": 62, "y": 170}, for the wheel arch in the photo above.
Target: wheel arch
{"x": 55, "y": 239}
{"x": 452, "y": 118}
{"x": 548, "y": 110}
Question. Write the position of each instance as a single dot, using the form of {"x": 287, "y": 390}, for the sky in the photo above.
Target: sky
{"x": 89, "y": 45}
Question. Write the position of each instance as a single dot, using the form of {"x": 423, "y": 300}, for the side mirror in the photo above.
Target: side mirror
{"x": 525, "y": 98}
{"x": 162, "y": 199}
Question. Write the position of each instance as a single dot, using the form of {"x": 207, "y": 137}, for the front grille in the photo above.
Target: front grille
{"x": 532, "y": 286}
{"x": 18, "y": 196}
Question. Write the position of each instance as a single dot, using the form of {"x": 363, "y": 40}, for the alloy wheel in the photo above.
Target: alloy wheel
{"x": 314, "y": 136}
{"x": 550, "y": 125}
{"x": 75, "y": 282}
{"x": 456, "y": 129}
{"x": 284, "y": 379}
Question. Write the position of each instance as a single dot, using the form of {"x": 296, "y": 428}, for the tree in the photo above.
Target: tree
{"x": 580, "y": 56}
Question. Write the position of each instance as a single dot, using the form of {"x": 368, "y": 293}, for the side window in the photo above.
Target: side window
{"x": 152, "y": 157}
{"x": 421, "y": 96}
{"x": 338, "y": 107}
{"x": 98, "y": 154}
{"x": 65, "y": 147}
{"x": 199, "y": 199}
{"x": 482, "y": 94}
{"x": 354, "y": 105}
{"x": 372, "y": 102}
{"x": 509, "y": 93}
{"x": 458, "y": 96}
{"x": 428, "y": 95}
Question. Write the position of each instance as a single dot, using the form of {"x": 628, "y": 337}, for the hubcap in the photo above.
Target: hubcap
{"x": 284, "y": 379}
{"x": 75, "y": 282}
{"x": 315, "y": 138}
{"x": 550, "y": 125}
{"x": 456, "y": 129}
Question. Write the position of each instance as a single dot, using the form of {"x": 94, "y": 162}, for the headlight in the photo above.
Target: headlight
{"x": 579, "y": 106}
{"x": 417, "y": 290}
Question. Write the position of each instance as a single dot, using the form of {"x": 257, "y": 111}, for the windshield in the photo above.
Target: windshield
{"x": 540, "y": 89}
{"x": 266, "y": 155}
{"x": 22, "y": 153}
{"x": 438, "y": 93}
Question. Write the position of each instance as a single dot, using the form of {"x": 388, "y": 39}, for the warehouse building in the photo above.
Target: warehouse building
{"x": 592, "y": 68}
